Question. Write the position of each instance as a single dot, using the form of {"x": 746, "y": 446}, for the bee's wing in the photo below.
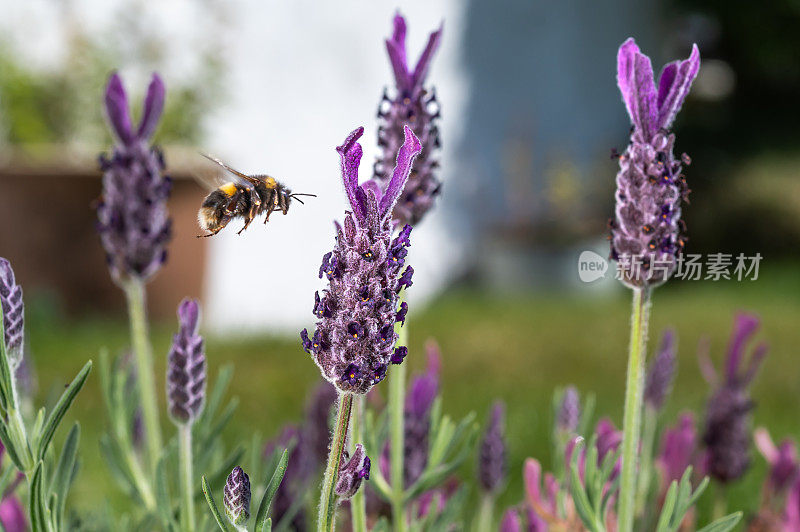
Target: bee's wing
{"x": 243, "y": 178}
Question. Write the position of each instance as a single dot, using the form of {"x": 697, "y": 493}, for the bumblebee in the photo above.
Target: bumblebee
{"x": 247, "y": 197}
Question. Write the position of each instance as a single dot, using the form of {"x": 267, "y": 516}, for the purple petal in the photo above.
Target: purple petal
{"x": 635, "y": 80}
{"x": 153, "y": 106}
{"x": 350, "y": 154}
{"x": 396, "y": 48}
{"x": 117, "y": 109}
{"x": 510, "y": 522}
{"x": 421, "y": 70}
{"x": 12, "y": 515}
{"x": 744, "y": 327}
{"x": 673, "y": 86}
{"x": 189, "y": 315}
{"x": 405, "y": 159}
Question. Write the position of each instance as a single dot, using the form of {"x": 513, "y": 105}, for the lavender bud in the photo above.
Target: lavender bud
{"x": 352, "y": 472}
{"x": 727, "y": 427}
{"x": 511, "y": 521}
{"x": 13, "y": 313}
{"x": 237, "y": 497}
{"x": 569, "y": 412}
{"x": 492, "y": 454}
{"x": 354, "y": 342}
{"x": 678, "y": 447}
{"x": 646, "y": 231}
{"x": 186, "y": 368}
{"x": 661, "y": 372}
{"x": 415, "y": 106}
{"x": 132, "y": 215}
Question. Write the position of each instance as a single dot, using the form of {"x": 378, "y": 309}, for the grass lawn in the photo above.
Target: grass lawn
{"x": 516, "y": 348}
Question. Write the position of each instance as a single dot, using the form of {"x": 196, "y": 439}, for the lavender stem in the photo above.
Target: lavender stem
{"x": 187, "y": 482}
{"x": 358, "y": 503}
{"x": 631, "y": 423}
{"x": 484, "y": 520}
{"x": 650, "y": 422}
{"x": 326, "y": 521}
{"x": 143, "y": 351}
{"x": 396, "y": 406}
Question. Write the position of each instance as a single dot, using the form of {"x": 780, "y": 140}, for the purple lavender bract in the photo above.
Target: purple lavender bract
{"x": 186, "y": 366}
{"x": 660, "y": 373}
{"x": 132, "y": 216}
{"x": 492, "y": 454}
{"x": 414, "y": 106}
{"x": 646, "y": 232}
{"x": 678, "y": 446}
{"x": 237, "y": 497}
{"x": 354, "y": 342}
{"x": 727, "y": 427}
{"x": 352, "y": 472}
{"x": 13, "y": 313}
{"x": 569, "y": 411}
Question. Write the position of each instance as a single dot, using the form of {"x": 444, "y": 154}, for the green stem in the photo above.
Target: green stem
{"x": 358, "y": 504}
{"x": 631, "y": 423}
{"x": 484, "y": 520}
{"x": 187, "y": 482}
{"x": 148, "y": 397}
{"x": 326, "y": 521}
{"x": 396, "y": 406}
{"x": 645, "y": 463}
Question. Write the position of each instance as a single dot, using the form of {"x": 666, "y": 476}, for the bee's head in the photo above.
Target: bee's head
{"x": 210, "y": 219}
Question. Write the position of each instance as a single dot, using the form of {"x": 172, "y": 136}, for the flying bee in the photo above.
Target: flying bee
{"x": 247, "y": 197}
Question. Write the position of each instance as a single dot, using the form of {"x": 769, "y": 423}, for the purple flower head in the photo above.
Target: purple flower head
{"x": 661, "y": 372}
{"x": 132, "y": 215}
{"x": 354, "y": 341}
{"x": 186, "y": 366}
{"x": 569, "y": 411}
{"x": 411, "y": 106}
{"x": 727, "y": 427}
{"x": 678, "y": 447}
{"x": 782, "y": 461}
{"x": 13, "y": 313}
{"x": 646, "y": 232}
{"x": 492, "y": 452}
{"x": 511, "y": 521}
{"x": 12, "y": 515}
{"x": 352, "y": 471}
{"x": 237, "y": 497}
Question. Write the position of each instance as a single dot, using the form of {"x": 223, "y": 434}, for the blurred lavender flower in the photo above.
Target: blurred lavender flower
{"x": 415, "y": 107}
{"x": 12, "y": 515}
{"x": 542, "y": 507}
{"x": 727, "y": 427}
{"x": 237, "y": 497}
{"x": 678, "y": 447}
{"x": 132, "y": 213}
{"x": 510, "y": 521}
{"x": 646, "y": 232}
{"x": 186, "y": 368}
{"x": 354, "y": 342}
{"x": 791, "y": 515}
{"x": 492, "y": 454}
{"x": 316, "y": 426}
{"x": 13, "y": 314}
{"x": 352, "y": 471}
{"x": 661, "y": 372}
{"x": 782, "y": 461}
{"x": 569, "y": 411}
{"x": 608, "y": 441}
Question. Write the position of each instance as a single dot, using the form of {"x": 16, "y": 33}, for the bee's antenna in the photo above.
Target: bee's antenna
{"x": 300, "y": 194}
{"x": 301, "y": 201}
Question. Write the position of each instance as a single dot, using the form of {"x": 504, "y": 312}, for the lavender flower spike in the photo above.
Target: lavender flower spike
{"x": 661, "y": 372}
{"x": 569, "y": 411}
{"x": 727, "y": 427}
{"x": 132, "y": 215}
{"x": 352, "y": 472}
{"x": 237, "y": 497}
{"x": 414, "y": 106}
{"x": 13, "y": 313}
{"x": 646, "y": 231}
{"x": 354, "y": 342}
{"x": 186, "y": 368}
{"x": 492, "y": 454}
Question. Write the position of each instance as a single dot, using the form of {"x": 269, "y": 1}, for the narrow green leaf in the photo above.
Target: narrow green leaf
{"x": 61, "y": 408}
{"x": 163, "y": 501}
{"x": 213, "y": 505}
{"x": 36, "y": 502}
{"x": 5, "y": 438}
{"x": 272, "y": 487}
{"x": 62, "y": 478}
{"x": 723, "y": 524}
{"x": 667, "y": 509}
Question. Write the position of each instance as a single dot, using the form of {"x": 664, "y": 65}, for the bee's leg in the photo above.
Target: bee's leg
{"x": 284, "y": 204}
{"x": 230, "y": 208}
{"x": 247, "y": 221}
{"x": 210, "y": 234}
{"x": 269, "y": 211}
{"x": 255, "y": 203}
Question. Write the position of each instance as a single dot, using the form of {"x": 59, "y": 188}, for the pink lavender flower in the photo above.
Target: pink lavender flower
{"x": 416, "y": 107}
{"x": 791, "y": 515}
{"x": 352, "y": 471}
{"x": 678, "y": 448}
{"x": 510, "y": 521}
{"x": 646, "y": 231}
{"x": 661, "y": 372}
{"x": 186, "y": 366}
{"x": 354, "y": 342}
{"x": 132, "y": 215}
{"x": 492, "y": 452}
{"x": 237, "y": 497}
{"x": 13, "y": 313}
{"x": 12, "y": 515}
{"x": 782, "y": 461}
{"x": 543, "y": 505}
{"x": 727, "y": 427}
